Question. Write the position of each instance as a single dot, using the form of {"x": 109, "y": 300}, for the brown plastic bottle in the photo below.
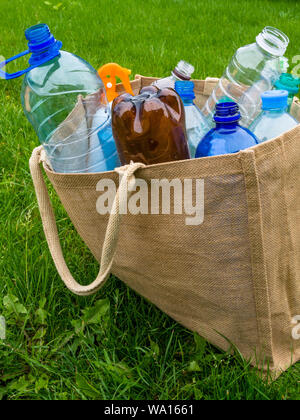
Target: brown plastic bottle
{"x": 150, "y": 127}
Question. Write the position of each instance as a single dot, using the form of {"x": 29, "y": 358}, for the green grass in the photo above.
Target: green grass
{"x": 114, "y": 345}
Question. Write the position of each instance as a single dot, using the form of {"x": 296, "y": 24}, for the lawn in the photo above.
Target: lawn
{"x": 114, "y": 345}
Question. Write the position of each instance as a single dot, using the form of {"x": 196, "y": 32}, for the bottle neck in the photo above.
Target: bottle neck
{"x": 44, "y": 57}
{"x": 227, "y": 125}
{"x": 187, "y": 102}
{"x": 272, "y": 41}
{"x": 183, "y": 71}
{"x": 178, "y": 76}
{"x": 42, "y": 44}
{"x": 275, "y": 111}
{"x": 267, "y": 55}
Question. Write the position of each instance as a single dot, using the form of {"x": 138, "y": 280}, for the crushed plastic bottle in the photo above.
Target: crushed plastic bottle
{"x": 195, "y": 123}
{"x": 274, "y": 118}
{"x": 183, "y": 71}
{"x": 61, "y": 94}
{"x": 252, "y": 70}
{"x": 149, "y": 127}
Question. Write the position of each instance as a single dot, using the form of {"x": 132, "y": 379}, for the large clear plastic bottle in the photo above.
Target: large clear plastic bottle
{"x": 183, "y": 71}
{"x": 61, "y": 94}
{"x": 195, "y": 123}
{"x": 252, "y": 70}
{"x": 252, "y": 96}
{"x": 274, "y": 118}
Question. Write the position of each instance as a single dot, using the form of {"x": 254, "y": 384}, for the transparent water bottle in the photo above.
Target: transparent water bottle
{"x": 274, "y": 118}
{"x": 61, "y": 95}
{"x": 252, "y": 70}
{"x": 183, "y": 71}
{"x": 227, "y": 136}
{"x": 251, "y": 98}
{"x": 195, "y": 123}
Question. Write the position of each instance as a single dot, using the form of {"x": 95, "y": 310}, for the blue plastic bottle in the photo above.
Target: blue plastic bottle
{"x": 61, "y": 95}
{"x": 228, "y": 136}
{"x": 274, "y": 118}
{"x": 196, "y": 126}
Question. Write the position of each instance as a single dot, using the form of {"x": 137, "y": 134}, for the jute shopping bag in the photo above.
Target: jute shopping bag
{"x": 234, "y": 277}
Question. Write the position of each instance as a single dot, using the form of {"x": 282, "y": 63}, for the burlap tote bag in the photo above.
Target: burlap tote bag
{"x": 233, "y": 278}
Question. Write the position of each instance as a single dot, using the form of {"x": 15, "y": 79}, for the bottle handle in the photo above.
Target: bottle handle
{"x": 112, "y": 231}
{"x": 5, "y": 75}
{"x": 8, "y": 76}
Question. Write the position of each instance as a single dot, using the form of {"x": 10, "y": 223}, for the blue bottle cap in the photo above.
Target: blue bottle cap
{"x": 274, "y": 99}
{"x": 185, "y": 89}
{"x": 227, "y": 112}
{"x": 41, "y": 44}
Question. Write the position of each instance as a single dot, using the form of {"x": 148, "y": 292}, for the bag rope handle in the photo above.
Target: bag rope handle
{"x": 51, "y": 232}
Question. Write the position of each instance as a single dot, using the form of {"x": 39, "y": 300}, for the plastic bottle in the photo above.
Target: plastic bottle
{"x": 251, "y": 98}
{"x": 255, "y": 66}
{"x": 183, "y": 71}
{"x": 149, "y": 127}
{"x": 289, "y": 83}
{"x": 274, "y": 119}
{"x": 54, "y": 98}
{"x": 195, "y": 123}
{"x": 227, "y": 136}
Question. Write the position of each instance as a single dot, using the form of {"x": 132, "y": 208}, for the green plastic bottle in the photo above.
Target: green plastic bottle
{"x": 290, "y": 83}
